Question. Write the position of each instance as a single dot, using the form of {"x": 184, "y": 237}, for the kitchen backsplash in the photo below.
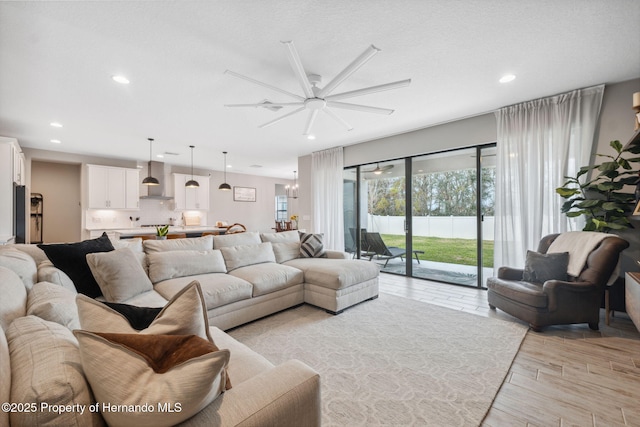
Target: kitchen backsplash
{"x": 152, "y": 212}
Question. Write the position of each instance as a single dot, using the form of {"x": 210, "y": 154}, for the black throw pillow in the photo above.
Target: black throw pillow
{"x": 539, "y": 268}
{"x": 72, "y": 259}
{"x": 139, "y": 317}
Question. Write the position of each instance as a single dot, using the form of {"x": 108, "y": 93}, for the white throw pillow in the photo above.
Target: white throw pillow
{"x": 184, "y": 314}
{"x": 119, "y": 274}
{"x": 149, "y": 373}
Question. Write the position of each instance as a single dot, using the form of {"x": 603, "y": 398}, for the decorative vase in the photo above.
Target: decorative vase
{"x": 161, "y": 237}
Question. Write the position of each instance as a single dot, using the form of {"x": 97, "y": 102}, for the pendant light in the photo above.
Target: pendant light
{"x": 149, "y": 180}
{"x": 292, "y": 190}
{"x": 192, "y": 183}
{"x": 224, "y": 186}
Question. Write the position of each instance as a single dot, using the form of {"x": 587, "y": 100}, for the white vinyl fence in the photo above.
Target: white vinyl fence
{"x": 458, "y": 227}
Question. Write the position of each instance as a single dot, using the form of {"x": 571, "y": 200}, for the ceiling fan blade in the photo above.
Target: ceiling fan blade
{"x": 350, "y": 69}
{"x": 298, "y": 69}
{"x": 281, "y": 117}
{"x": 267, "y": 105}
{"x": 368, "y": 90}
{"x": 358, "y": 107}
{"x": 337, "y": 118}
{"x": 259, "y": 83}
{"x": 312, "y": 117}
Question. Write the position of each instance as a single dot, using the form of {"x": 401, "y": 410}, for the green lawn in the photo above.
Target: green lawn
{"x": 456, "y": 251}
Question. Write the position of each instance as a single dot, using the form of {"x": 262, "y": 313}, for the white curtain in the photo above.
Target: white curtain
{"x": 327, "y": 182}
{"x": 539, "y": 143}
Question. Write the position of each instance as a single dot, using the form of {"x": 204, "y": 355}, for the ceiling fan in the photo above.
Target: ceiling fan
{"x": 378, "y": 170}
{"x": 316, "y": 99}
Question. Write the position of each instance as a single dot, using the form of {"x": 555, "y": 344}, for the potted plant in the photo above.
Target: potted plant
{"x": 161, "y": 232}
{"x": 601, "y": 199}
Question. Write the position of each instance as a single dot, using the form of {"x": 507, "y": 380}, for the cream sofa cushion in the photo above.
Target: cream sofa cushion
{"x": 47, "y": 272}
{"x": 193, "y": 244}
{"x": 33, "y": 251}
{"x": 284, "y": 236}
{"x": 54, "y": 303}
{"x": 226, "y": 240}
{"x": 182, "y": 263}
{"x": 269, "y": 277}
{"x": 134, "y": 244}
{"x": 286, "y": 251}
{"x": 218, "y": 289}
{"x": 5, "y": 377}
{"x": 13, "y": 297}
{"x": 21, "y": 263}
{"x": 119, "y": 274}
{"x": 335, "y": 273}
{"x": 45, "y": 368}
{"x": 243, "y": 255}
{"x": 133, "y": 370}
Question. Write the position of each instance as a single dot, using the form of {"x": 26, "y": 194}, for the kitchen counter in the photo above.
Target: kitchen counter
{"x": 124, "y": 233}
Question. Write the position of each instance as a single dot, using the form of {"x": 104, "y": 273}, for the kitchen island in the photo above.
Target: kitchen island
{"x": 128, "y": 233}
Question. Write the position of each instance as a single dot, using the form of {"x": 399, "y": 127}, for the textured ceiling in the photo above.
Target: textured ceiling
{"x": 56, "y": 60}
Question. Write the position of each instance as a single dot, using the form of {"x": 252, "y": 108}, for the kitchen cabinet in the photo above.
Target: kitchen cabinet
{"x": 112, "y": 187}
{"x": 132, "y": 189}
{"x": 191, "y": 198}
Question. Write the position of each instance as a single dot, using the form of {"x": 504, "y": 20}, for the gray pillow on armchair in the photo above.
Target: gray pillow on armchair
{"x": 539, "y": 268}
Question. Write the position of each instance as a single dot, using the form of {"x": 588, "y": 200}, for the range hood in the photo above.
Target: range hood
{"x": 156, "y": 192}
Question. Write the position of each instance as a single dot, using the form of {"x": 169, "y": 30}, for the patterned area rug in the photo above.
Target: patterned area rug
{"x": 394, "y": 361}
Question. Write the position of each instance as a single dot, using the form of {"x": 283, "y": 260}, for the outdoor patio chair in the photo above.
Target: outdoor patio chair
{"x": 376, "y": 247}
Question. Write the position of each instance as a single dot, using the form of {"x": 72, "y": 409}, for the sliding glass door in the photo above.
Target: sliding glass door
{"x": 429, "y": 216}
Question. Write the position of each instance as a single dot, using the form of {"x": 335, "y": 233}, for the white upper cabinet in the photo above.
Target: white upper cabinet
{"x": 191, "y": 198}
{"x": 132, "y": 188}
{"x": 112, "y": 187}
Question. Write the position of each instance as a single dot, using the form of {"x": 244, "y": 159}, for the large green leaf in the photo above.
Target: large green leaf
{"x": 589, "y": 203}
{"x": 567, "y": 192}
{"x": 574, "y": 214}
{"x": 616, "y": 145}
{"x": 608, "y": 166}
{"x": 612, "y": 206}
{"x": 609, "y": 186}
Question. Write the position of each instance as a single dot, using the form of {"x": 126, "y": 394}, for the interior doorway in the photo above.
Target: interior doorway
{"x": 59, "y": 185}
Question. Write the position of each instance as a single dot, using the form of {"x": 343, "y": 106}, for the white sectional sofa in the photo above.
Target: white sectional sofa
{"x": 42, "y": 378}
{"x": 239, "y": 278}
{"x": 244, "y": 276}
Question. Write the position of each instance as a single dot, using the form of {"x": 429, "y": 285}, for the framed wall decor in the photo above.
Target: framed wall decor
{"x": 244, "y": 194}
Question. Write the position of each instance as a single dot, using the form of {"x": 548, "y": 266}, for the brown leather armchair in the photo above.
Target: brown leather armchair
{"x": 557, "y": 302}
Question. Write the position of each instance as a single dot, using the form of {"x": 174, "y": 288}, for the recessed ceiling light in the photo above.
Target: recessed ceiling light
{"x": 56, "y": 124}
{"x": 507, "y": 78}
{"x": 56, "y": 141}
{"x": 160, "y": 156}
{"x": 120, "y": 79}
{"x": 311, "y": 137}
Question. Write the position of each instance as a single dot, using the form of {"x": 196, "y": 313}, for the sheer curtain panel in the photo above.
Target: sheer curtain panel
{"x": 539, "y": 143}
{"x": 326, "y": 167}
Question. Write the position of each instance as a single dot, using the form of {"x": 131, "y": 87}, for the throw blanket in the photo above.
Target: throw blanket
{"x": 579, "y": 244}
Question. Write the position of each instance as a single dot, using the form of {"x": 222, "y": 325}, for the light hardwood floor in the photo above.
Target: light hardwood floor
{"x": 562, "y": 376}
